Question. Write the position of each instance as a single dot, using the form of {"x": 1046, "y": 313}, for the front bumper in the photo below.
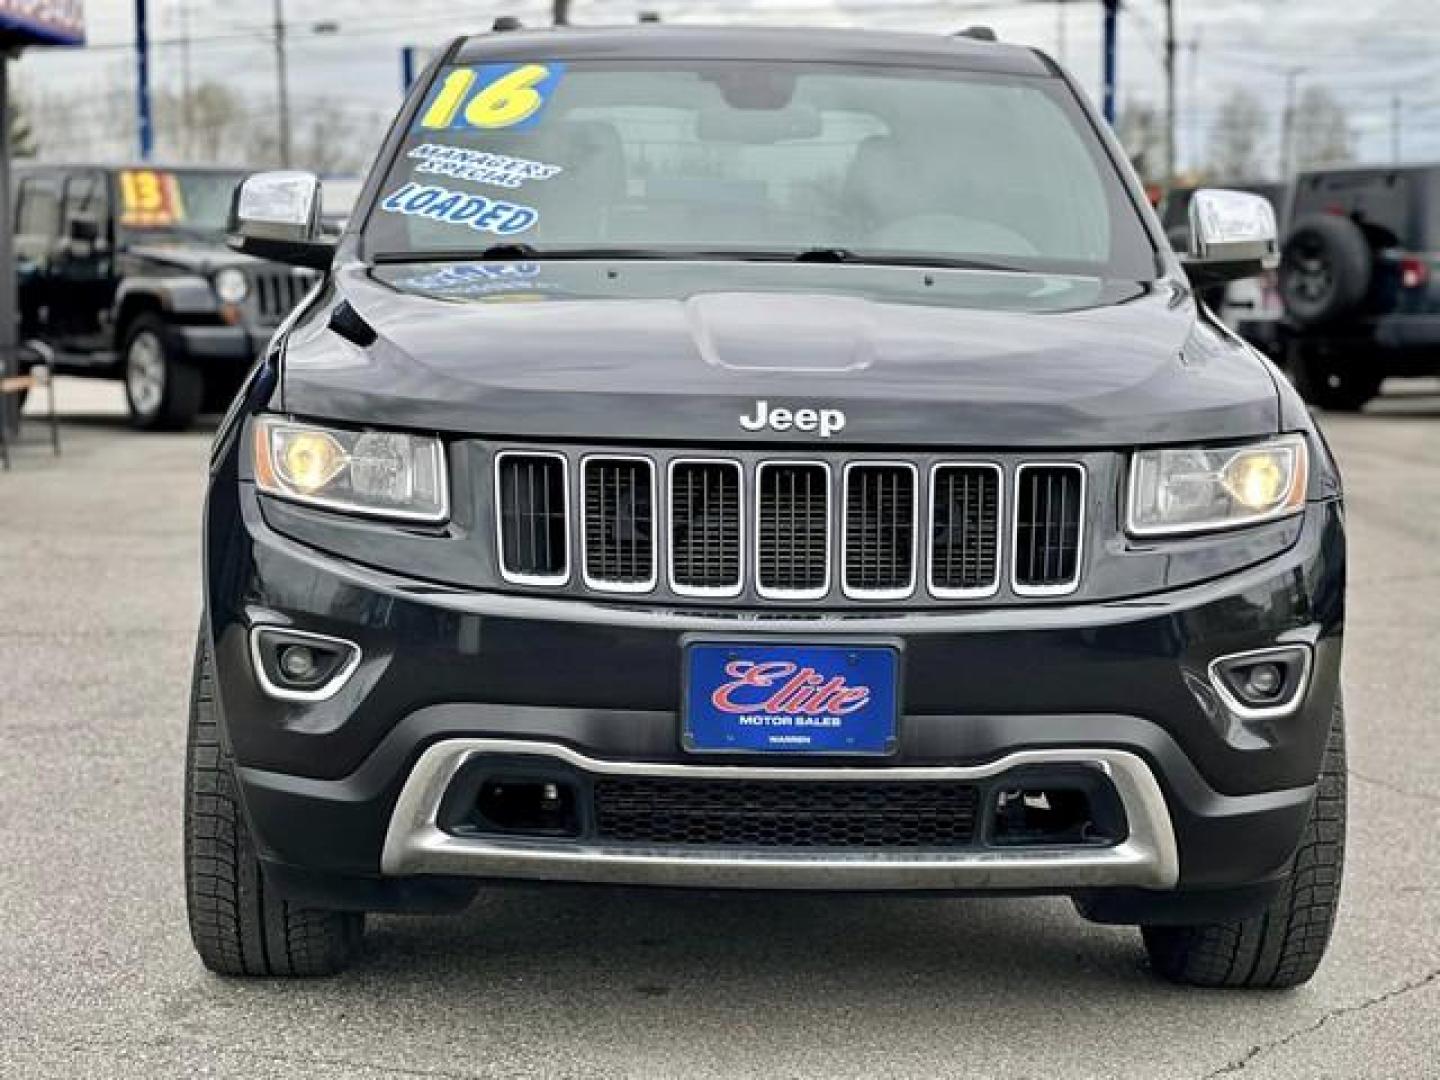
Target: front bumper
{"x": 239, "y": 345}
{"x": 342, "y": 793}
{"x": 415, "y": 842}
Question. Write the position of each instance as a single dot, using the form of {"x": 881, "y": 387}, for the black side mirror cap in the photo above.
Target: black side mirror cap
{"x": 311, "y": 254}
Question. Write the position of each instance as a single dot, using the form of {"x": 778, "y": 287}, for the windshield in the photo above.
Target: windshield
{"x": 159, "y": 201}
{"x": 772, "y": 160}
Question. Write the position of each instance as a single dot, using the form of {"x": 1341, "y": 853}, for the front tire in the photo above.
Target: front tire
{"x": 163, "y": 391}
{"x": 238, "y": 923}
{"x": 1327, "y": 384}
{"x": 1283, "y": 945}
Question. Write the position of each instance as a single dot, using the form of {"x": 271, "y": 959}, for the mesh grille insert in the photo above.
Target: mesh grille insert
{"x": 785, "y": 814}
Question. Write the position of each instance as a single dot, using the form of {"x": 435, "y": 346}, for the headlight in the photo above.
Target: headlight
{"x": 379, "y": 473}
{"x": 1195, "y": 489}
{"x": 232, "y": 286}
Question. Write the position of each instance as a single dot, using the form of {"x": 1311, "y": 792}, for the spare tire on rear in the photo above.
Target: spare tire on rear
{"x": 1325, "y": 269}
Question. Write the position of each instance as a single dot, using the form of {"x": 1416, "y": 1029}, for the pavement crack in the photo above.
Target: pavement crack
{"x": 1396, "y": 788}
{"x": 351, "y": 1063}
{"x": 1244, "y": 1061}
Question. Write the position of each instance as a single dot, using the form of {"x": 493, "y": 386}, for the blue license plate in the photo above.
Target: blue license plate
{"x": 790, "y": 699}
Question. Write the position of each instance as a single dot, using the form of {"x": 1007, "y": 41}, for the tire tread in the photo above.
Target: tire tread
{"x": 238, "y": 923}
{"x": 1282, "y": 946}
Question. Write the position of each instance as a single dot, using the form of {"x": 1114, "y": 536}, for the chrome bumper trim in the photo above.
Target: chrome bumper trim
{"x": 414, "y": 844}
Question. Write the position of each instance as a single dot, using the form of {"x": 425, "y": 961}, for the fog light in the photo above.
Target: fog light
{"x": 1264, "y": 680}
{"x": 293, "y": 665}
{"x": 1265, "y": 684}
{"x": 298, "y": 662}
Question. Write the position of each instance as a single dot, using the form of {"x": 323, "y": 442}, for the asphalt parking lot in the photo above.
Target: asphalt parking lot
{"x": 99, "y": 596}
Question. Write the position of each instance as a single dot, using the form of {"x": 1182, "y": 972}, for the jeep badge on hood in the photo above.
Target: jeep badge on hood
{"x": 826, "y": 421}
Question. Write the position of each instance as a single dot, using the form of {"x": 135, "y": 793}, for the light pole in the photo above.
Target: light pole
{"x": 1287, "y": 131}
{"x": 282, "y": 77}
{"x": 1112, "y": 30}
{"x": 142, "y": 82}
{"x": 1170, "y": 136}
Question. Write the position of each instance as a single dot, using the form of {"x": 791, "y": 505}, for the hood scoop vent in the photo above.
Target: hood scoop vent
{"x": 348, "y": 323}
{"x": 801, "y": 333}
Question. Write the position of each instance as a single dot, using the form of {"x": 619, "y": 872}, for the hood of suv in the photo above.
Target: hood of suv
{"x": 194, "y": 258}
{"x": 679, "y": 352}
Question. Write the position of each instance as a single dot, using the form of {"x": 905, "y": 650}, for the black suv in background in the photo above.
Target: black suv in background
{"x": 124, "y": 272}
{"x": 769, "y": 460}
{"x": 1360, "y": 281}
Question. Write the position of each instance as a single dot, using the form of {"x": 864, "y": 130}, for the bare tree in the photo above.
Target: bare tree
{"x": 95, "y": 121}
{"x": 340, "y": 142}
{"x": 207, "y": 125}
{"x": 1141, "y": 131}
{"x": 1322, "y": 133}
{"x": 19, "y": 132}
{"x": 1238, "y": 143}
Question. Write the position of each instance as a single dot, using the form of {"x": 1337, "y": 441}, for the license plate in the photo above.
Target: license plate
{"x": 790, "y": 699}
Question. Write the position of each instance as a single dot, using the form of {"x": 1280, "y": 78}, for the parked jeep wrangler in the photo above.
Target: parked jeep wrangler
{"x": 765, "y": 460}
{"x": 1360, "y": 281}
{"x": 124, "y": 272}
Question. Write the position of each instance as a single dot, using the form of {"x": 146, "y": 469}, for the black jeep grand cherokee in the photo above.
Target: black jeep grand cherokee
{"x": 774, "y": 461}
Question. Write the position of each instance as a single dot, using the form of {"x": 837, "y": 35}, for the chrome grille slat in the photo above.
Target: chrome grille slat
{"x": 620, "y": 536}
{"x": 792, "y": 530}
{"x": 966, "y": 511}
{"x": 531, "y": 518}
{"x": 879, "y": 553}
{"x": 1049, "y": 533}
{"x": 706, "y": 527}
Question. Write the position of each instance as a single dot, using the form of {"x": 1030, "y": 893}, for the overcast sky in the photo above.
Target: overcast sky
{"x": 1369, "y": 52}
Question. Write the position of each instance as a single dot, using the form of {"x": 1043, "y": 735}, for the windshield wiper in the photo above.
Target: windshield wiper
{"x": 518, "y": 252}
{"x": 521, "y": 252}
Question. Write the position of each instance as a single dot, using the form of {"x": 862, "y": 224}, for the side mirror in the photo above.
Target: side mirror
{"x": 1233, "y": 235}
{"x": 276, "y": 216}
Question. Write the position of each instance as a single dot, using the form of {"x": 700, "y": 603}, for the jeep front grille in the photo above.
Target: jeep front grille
{"x": 755, "y": 529}
{"x": 276, "y": 291}
{"x": 620, "y": 533}
{"x": 1049, "y": 502}
{"x": 532, "y": 518}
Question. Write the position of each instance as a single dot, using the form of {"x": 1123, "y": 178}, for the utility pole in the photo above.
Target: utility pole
{"x": 1396, "y": 120}
{"x": 282, "y": 77}
{"x": 561, "y": 13}
{"x": 1192, "y": 95}
{"x": 1170, "y": 120}
{"x": 1287, "y": 134}
{"x": 146, "y": 129}
{"x": 187, "y": 113}
{"x": 1112, "y": 29}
